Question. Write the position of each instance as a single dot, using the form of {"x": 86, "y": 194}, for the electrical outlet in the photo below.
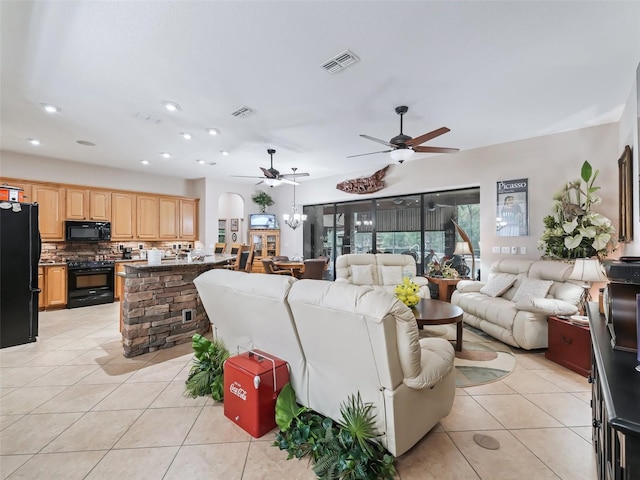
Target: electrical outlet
{"x": 121, "y": 247}
{"x": 495, "y": 250}
{"x": 175, "y": 247}
{"x": 523, "y": 250}
{"x": 187, "y": 315}
{"x": 140, "y": 246}
{"x": 514, "y": 250}
{"x": 505, "y": 250}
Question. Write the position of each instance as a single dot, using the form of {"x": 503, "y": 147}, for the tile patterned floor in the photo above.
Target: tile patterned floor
{"x": 72, "y": 407}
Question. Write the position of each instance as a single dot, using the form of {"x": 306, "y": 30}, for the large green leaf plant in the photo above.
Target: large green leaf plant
{"x": 206, "y": 374}
{"x": 346, "y": 450}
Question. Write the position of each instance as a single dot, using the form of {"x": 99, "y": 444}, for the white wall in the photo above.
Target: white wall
{"x": 548, "y": 162}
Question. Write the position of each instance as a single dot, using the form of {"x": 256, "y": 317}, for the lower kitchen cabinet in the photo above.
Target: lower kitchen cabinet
{"x": 54, "y": 288}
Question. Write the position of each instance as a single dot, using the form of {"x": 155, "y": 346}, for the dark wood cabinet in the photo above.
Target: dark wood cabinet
{"x": 569, "y": 345}
{"x": 615, "y": 404}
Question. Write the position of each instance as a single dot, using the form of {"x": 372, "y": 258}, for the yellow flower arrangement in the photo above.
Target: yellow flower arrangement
{"x": 408, "y": 292}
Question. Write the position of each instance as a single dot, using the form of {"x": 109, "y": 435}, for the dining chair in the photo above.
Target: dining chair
{"x": 269, "y": 268}
{"x": 242, "y": 253}
{"x": 280, "y": 258}
{"x": 314, "y": 269}
{"x": 249, "y": 266}
{"x": 220, "y": 248}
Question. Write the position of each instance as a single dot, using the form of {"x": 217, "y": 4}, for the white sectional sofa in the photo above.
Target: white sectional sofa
{"x": 518, "y": 297}
{"x": 383, "y": 271}
{"x": 338, "y": 339}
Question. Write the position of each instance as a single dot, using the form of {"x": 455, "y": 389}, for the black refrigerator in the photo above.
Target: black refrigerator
{"x": 19, "y": 257}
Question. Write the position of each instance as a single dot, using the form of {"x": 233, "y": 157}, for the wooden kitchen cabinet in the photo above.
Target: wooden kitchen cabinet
{"x": 147, "y": 215}
{"x": 169, "y": 228}
{"x": 51, "y": 201}
{"x": 188, "y": 219}
{"x": 42, "y": 294}
{"x": 123, "y": 216}
{"x": 85, "y": 204}
{"x": 55, "y": 283}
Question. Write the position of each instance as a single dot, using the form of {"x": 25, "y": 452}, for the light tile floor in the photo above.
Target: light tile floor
{"x": 72, "y": 407}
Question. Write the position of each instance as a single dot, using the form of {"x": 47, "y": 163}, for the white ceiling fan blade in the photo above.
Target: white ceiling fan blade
{"x": 290, "y": 182}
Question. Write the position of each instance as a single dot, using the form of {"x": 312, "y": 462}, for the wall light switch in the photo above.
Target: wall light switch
{"x": 495, "y": 250}
{"x": 523, "y": 250}
{"x": 514, "y": 250}
{"x": 505, "y": 250}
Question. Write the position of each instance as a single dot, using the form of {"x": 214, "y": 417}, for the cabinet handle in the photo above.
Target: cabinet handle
{"x": 566, "y": 340}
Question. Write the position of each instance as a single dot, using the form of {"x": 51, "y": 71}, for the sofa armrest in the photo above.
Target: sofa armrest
{"x": 466, "y": 286}
{"x": 436, "y": 362}
{"x": 547, "y": 306}
{"x": 342, "y": 280}
{"x": 420, "y": 281}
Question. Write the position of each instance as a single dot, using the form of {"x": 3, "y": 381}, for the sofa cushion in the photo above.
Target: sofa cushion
{"x": 547, "y": 306}
{"x": 362, "y": 274}
{"x": 532, "y": 288}
{"x": 498, "y": 284}
{"x": 391, "y": 275}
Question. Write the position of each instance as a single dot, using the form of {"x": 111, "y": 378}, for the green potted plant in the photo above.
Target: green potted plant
{"x": 347, "y": 449}
{"x": 206, "y": 374}
{"x": 263, "y": 199}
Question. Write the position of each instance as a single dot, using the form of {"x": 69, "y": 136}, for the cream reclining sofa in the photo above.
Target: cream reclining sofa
{"x": 382, "y": 271}
{"x": 338, "y": 339}
{"x": 518, "y": 297}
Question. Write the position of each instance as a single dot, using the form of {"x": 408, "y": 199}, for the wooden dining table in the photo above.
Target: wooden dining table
{"x": 296, "y": 267}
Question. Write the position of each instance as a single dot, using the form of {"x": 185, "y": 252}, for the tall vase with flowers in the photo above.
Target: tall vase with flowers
{"x": 575, "y": 230}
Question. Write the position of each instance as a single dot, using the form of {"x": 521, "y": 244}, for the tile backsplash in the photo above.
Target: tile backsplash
{"x": 63, "y": 251}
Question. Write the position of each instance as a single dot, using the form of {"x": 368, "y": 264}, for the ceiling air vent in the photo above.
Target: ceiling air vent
{"x": 243, "y": 112}
{"x": 340, "y": 62}
{"x": 148, "y": 118}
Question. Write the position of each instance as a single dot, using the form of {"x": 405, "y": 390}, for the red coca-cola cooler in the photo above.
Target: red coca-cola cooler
{"x": 252, "y": 382}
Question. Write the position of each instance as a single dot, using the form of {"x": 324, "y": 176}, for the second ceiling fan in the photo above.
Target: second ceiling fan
{"x": 403, "y": 146}
{"x": 272, "y": 177}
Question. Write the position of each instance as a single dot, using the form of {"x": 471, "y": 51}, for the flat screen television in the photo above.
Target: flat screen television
{"x": 262, "y": 220}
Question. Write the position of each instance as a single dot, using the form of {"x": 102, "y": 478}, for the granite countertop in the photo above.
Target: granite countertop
{"x": 219, "y": 259}
{"x": 51, "y": 264}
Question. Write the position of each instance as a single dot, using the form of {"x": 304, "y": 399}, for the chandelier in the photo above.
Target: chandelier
{"x": 294, "y": 219}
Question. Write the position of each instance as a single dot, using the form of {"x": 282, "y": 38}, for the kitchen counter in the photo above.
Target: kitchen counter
{"x": 160, "y": 306}
{"x": 52, "y": 264}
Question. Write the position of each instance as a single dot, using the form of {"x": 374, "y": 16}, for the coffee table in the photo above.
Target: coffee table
{"x": 436, "y": 312}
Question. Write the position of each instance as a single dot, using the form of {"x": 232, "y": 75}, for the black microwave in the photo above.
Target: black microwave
{"x": 87, "y": 231}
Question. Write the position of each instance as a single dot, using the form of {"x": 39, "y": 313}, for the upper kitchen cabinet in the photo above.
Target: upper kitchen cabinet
{"x": 188, "y": 219}
{"x": 83, "y": 204}
{"x": 169, "y": 218}
{"x": 147, "y": 217}
{"x": 123, "y": 216}
{"x": 51, "y": 201}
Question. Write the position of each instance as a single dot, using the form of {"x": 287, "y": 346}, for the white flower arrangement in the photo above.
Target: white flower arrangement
{"x": 574, "y": 231}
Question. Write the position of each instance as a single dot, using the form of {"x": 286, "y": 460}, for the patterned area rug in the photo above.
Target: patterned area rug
{"x": 482, "y": 359}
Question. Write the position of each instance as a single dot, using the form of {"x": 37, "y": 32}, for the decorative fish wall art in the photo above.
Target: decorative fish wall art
{"x": 365, "y": 184}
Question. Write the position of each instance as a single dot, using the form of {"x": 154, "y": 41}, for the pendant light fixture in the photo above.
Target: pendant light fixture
{"x": 294, "y": 219}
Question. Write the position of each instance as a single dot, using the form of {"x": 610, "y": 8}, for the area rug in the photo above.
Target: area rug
{"x": 482, "y": 359}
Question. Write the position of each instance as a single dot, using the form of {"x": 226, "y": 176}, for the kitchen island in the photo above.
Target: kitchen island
{"x": 159, "y": 304}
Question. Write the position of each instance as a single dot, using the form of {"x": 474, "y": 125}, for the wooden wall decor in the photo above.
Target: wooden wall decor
{"x": 363, "y": 185}
{"x": 625, "y": 196}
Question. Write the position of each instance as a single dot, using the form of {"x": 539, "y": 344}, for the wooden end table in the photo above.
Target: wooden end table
{"x": 436, "y": 312}
{"x": 569, "y": 345}
{"x": 446, "y": 286}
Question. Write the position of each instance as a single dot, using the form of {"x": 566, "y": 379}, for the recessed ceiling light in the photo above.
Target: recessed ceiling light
{"x": 144, "y": 162}
{"x": 185, "y": 135}
{"x": 34, "y": 141}
{"x": 171, "y": 106}
{"x": 165, "y": 155}
{"x": 50, "y": 108}
{"x": 201, "y": 162}
{"x": 213, "y": 131}
{"x": 86, "y": 143}
{"x": 224, "y": 152}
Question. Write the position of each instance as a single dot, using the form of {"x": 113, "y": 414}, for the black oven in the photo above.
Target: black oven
{"x": 90, "y": 283}
{"x": 87, "y": 231}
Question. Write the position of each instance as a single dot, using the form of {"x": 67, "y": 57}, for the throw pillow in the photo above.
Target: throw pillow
{"x": 532, "y": 288}
{"x": 362, "y": 274}
{"x": 391, "y": 275}
{"x": 547, "y": 306}
{"x": 498, "y": 284}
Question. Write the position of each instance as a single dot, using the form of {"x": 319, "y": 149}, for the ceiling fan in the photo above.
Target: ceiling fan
{"x": 272, "y": 177}
{"x": 432, "y": 206}
{"x": 403, "y": 146}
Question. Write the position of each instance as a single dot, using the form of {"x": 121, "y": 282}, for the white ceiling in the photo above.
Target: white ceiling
{"x": 492, "y": 72}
